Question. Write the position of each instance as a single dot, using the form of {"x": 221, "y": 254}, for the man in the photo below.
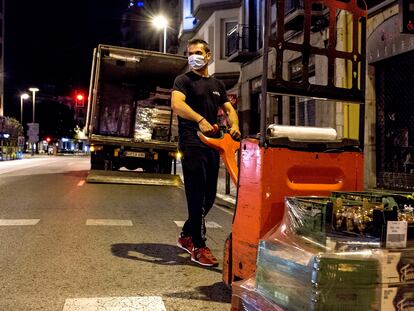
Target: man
{"x": 196, "y": 99}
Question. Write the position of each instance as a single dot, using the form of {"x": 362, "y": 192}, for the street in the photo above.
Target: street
{"x": 66, "y": 244}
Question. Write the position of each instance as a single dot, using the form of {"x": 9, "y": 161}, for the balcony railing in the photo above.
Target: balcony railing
{"x": 243, "y": 43}
{"x": 294, "y": 14}
{"x": 293, "y": 5}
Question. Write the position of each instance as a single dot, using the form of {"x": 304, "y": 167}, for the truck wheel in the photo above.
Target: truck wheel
{"x": 131, "y": 166}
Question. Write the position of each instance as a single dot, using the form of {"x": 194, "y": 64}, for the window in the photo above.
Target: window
{"x": 226, "y": 26}
{"x": 188, "y": 18}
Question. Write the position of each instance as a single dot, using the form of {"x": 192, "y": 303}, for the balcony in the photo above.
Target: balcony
{"x": 243, "y": 43}
{"x": 202, "y": 9}
{"x": 295, "y": 12}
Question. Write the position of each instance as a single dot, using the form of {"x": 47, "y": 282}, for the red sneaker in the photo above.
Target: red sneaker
{"x": 204, "y": 257}
{"x": 185, "y": 243}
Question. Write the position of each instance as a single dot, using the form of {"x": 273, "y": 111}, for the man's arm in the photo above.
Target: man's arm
{"x": 233, "y": 119}
{"x": 180, "y": 107}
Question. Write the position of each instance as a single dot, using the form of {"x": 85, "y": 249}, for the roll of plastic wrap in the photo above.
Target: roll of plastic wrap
{"x": 302, "y": 132}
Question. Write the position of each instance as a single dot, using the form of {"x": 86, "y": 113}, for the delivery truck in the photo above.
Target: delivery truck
{"x": 129, "y": 121}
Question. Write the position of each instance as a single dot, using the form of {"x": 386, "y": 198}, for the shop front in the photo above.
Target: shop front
{"x": 391, "y": 54}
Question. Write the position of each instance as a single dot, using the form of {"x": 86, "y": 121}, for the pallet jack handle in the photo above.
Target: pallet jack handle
{"x": 227, "y": 148}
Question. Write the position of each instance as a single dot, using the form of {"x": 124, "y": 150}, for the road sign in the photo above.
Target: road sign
{"x": 33, "y": 128}
{"x": 33, "y": 132}
{"x": 33, "y": 139}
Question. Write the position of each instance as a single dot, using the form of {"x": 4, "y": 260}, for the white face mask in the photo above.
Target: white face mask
{"x": 196, "y": 61}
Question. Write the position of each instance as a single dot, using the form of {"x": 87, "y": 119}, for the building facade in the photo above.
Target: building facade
{"x": 390, "y": 95}
{"x": 211, "y": 20}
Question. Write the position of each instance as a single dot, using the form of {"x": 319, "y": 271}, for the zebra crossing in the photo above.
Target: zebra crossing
{"x": 147, "y": 303}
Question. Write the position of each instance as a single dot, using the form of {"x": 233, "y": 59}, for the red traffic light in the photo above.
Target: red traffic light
{"x": 79, "y": 97}
{"x": 48, "y": 139}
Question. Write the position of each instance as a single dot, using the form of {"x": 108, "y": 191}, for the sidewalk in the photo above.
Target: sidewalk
{"x": 224, "y": 199}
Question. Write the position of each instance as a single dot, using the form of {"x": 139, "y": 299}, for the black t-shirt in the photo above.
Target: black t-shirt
{"x": 205, "y": 96}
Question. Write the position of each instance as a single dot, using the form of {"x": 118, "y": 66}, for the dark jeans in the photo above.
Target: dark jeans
{"x": 200, "y": 170}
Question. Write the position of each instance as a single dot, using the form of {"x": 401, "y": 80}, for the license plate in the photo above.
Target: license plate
{"x": 135, "y": 154}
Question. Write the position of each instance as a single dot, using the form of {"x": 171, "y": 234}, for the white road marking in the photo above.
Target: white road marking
{"x": 148, "y": 303}
{"x": 108, "y": 222}
{"x": 18, "y": 222}
{"x": 209, "y": 224}
{"x": 81, "y": 183}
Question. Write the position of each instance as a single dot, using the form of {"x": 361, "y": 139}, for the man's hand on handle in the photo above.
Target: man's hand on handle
{"x": 234, "y": 131}
{"x": 206, "y": 128}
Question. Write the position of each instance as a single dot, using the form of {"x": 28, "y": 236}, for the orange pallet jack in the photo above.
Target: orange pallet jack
{"x": 271, "y": 168}
{"x": 267, "y": 175}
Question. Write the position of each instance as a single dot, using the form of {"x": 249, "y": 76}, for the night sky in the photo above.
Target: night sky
{"x": 49, "y": 44}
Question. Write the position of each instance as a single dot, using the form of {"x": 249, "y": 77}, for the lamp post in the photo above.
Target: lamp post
{"x": 22, "y": 97}
{"x": 161, "y": 22}
{"x": 34, "y": 90}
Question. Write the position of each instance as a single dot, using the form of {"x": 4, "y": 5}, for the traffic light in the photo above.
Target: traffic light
{"x": 48, "y": 139}
{"x": 79, "y": 100}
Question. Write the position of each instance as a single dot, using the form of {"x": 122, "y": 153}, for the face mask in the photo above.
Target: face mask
{"x": 196, "y": 61}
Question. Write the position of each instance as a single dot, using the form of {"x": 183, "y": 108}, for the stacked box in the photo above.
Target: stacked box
{"x": 291, "y": 294}
{"x": 319, "y": 218}
{"x": 318, "y": 268}
{"x": 300, "y": 279}
{"x": 310, "y": 264}
{"x": 287, "y": 293}
{"x": 388, "y": 198}
{"x": 153, "y": 122}
{"x": 396, "y": 297}
{"x": 386, "y": 205}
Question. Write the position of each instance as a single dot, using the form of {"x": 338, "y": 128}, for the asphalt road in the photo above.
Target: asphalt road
{"x": 66, "y": 244}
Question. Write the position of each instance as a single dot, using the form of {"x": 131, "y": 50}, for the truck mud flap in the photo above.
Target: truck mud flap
{"x": 137, "y": 178}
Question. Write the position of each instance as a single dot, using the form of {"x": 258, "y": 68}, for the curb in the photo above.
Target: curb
{"x": 225, "y": 200}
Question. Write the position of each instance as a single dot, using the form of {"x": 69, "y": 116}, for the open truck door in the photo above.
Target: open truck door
{"x": 130, "y": 123}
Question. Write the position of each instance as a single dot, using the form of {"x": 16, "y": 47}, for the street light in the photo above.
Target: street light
{"x": 161, "y": 22}
{"x": 22, "y": 97}
{"x": 34, "y": 90}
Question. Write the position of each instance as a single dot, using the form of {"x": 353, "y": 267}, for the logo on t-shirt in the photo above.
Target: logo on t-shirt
{"x": 216, "y": 93}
